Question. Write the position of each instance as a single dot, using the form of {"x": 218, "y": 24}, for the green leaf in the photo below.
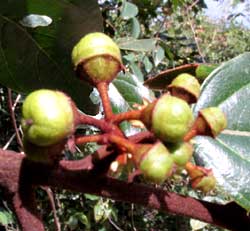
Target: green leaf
{"x": 124, "y": 92}
{"x": 135, "y": 28}
{"x": 137, "y": 71}
{"x": 159, "y": 55}
{"x": 132, "y": 44}
{"x": 129, "y": 10}
{"x": 5, "y": 217}
{"x": 91, "y": 197}
{"x": 148, "y": 65}
{"x": 83, "y": 219}
{"x": 39, "y": 56}
{"x": 228, "y": 87}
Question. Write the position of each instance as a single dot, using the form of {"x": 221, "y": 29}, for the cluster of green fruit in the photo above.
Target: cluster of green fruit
{"x": 50, "y": 117}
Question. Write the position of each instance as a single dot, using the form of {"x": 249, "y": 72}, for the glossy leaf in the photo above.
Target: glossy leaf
{"x": 228, "y": 87}
{"x": 136, "y": 44}
{"x": 40, "y": 56}
{"x": 129, "y": 10}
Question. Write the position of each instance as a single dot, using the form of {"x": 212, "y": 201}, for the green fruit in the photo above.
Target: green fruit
{"x": 169, "y": 118}
{"x": 156, "y": 163}
{"x": 47, "y": 117}
{"x": 97, "y": 58}
{"x": 186, "y": 87}
{"x": 205, "y": 183}
{"x": 215, "y": 120}
{"x": 181, "y": 153}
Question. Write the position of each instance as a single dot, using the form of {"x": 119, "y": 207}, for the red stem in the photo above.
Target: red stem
{"x": 129, "y": 115}
{"x": 90, "y": 138}
{"x": 102, "y": 87}
{"x": 191, "y": 133}
{"x": 122, "y": 142}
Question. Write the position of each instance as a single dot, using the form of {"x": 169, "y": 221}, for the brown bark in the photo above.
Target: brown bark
{"x": 87, "y": 176}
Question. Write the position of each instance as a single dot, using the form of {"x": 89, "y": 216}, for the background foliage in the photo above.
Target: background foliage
{"x": 153, "y": 36}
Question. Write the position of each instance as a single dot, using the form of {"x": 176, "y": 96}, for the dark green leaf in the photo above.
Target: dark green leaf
{"x": 129, "y": 10}
{"x": 40, "y": 57}
{"x": 136, "y": 44}
{"x": 228, "y": 87}
{"x": 83, "y": 219}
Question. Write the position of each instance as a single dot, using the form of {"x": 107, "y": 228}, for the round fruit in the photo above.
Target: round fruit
{"x": 186, "y": 87}
{"x": 156, "y": 163}
{"x": 168, "y": 117}
{"x": 47, "y": 117}
{"x": 97, "y": 58}
{"x": 181, "y": 153}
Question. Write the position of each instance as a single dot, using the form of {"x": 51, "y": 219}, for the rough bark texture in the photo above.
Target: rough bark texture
{"x": 18, "y": 176}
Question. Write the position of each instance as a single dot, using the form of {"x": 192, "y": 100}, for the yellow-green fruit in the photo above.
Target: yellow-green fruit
{"x": 215, "y": 119}
{"x": 156, "y": 163}
{"x": 169, "y": 118}
{"x": 181, "y": 153}
{"x": 205, "y": 183}
{"x": 47, "y": 117}
{"x": 186, "y": 87}
{"x": 97, "y": 58}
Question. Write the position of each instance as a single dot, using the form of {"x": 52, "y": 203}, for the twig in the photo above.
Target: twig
{"x": 193, "y": 31}
{"x": 53, "y": 207}
{"x": 115, "y": 225}
{"x": 12, "y": 114}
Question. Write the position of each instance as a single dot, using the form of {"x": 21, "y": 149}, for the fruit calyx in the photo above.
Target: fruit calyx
{"x": 186, "y": 87}
{"x": 210, "y": 121}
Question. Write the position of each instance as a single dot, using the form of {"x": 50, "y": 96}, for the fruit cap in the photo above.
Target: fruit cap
{"x": 96, "y": 58}
{"x": 186, "y": 87}
{"x": 215, "y": 119}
